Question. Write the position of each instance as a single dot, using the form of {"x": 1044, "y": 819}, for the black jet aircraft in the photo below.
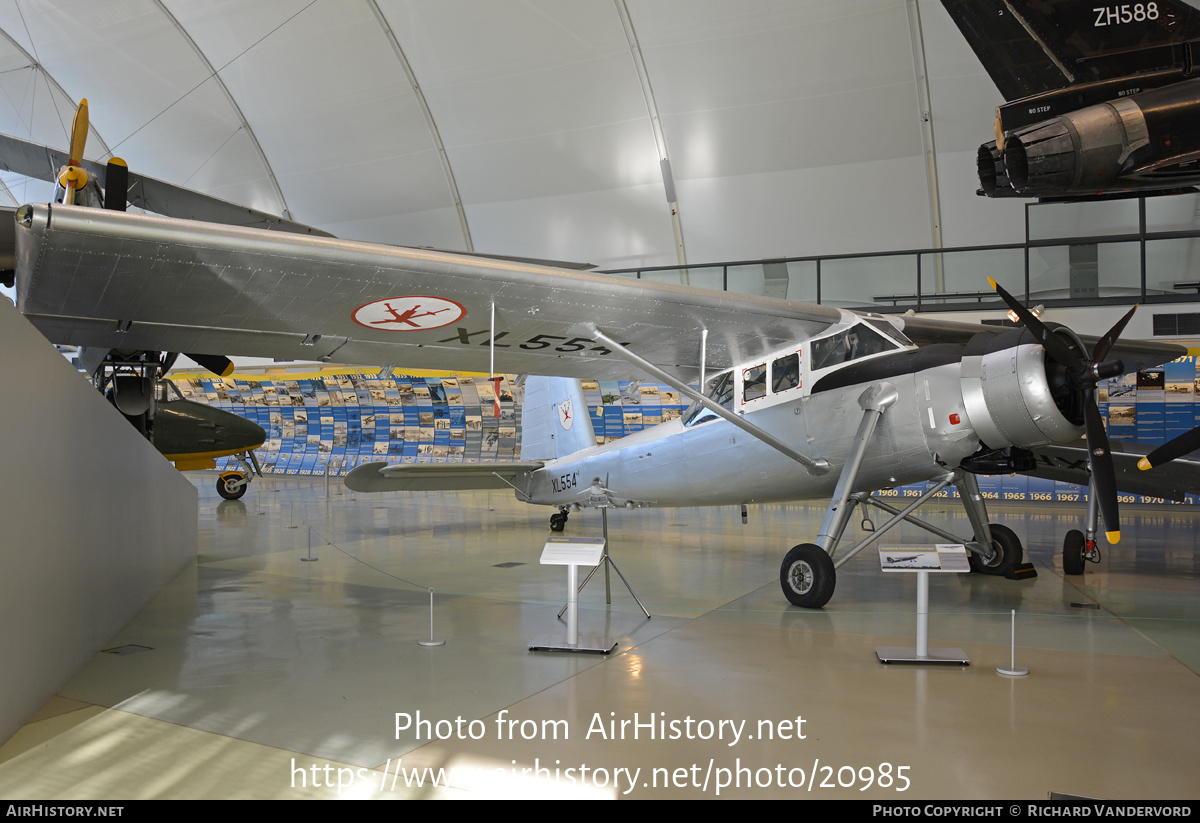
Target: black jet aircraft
{"x": 1102, "y": 97}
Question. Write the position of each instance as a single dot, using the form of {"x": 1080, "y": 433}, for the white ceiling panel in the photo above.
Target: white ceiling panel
{"x": 617, "y": 228}
{"x": 769, "y": 87}
{"x": 544, "y": 96}
{"x": 776, "y": 215}
{"x": 328, "y": 101}
{"x": 792, "y": 125}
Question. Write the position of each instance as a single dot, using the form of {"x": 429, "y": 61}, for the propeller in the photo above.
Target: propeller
{"x": 1082, "y": 374}
{"x": 1178, "y": 447}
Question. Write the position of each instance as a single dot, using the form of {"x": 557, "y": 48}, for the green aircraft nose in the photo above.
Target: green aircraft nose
{"x": 189, "y": 431}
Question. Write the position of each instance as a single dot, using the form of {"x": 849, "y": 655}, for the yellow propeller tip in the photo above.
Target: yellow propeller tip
{"x": 1144, "y": 464}
{"x": 1113, "y": 537}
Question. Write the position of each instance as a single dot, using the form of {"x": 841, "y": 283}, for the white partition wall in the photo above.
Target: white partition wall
{"x": 95, "y": 521}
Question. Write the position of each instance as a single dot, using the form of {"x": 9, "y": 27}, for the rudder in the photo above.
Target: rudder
{"x": 555, "y": 420}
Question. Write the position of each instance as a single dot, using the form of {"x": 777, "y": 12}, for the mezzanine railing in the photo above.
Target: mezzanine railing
{"x": 1140, "y": 249}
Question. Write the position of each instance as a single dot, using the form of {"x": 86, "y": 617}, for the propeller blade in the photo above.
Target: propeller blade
{"x": 1105, "y": 343}
{"x": 1103, "y": 474}
{"x": 79, "y": 132}
{"x": 73, "y": 177}
{"x": 116, "y": 185}
{"x": 215, "y": 363}
{"x": 1172, "y": 449}
{"x": 1055, "y": 346}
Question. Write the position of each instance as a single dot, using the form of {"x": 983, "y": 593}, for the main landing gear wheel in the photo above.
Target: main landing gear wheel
{"x": 807, "y": 576}
{"x": 232, "y": 485}
{"x": 558, "y": 521}
{"x": 1007, "y": 553}
{"x": 1073, "y": 552}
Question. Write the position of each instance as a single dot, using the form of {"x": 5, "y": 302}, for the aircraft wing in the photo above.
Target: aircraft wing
{"x": 43, "y": 162}
{"x": 92, "y": 277}
{"x": 1136, "y": 355}
{"x": 413, "y": 477}
{"x": 1068, "y": 464}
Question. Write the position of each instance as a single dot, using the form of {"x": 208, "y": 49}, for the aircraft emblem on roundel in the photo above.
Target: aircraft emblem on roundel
{"x": 415, "y": 312}
{"x": 565, "y": 415}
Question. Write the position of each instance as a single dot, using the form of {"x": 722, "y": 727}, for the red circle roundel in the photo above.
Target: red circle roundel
{"x": 415, "y": 312}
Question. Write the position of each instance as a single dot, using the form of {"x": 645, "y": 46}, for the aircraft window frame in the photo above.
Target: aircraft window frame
{"x": 789, "y": 372}
{"x": 721, "y": 390}
{"x": 889, "y": 330}
{"x": 756, "y": 382}
{"x": 836, "y": 349}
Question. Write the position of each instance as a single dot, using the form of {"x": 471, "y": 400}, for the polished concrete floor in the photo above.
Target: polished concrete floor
{"x": 264, "y": 676}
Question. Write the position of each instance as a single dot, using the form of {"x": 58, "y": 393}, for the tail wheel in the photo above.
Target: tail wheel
{"x": 1073, "y": 552}
{"x": 1006, "y": 553}
{"x": 807, "y": 576}
{"x": 232, "y": 485}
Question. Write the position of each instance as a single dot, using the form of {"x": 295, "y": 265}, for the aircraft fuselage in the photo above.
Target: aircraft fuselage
{"x": 949, "y": 400}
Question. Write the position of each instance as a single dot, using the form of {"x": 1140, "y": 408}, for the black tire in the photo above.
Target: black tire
{"x": 807, "y": 576}
{"x": 231, "y": 493}
{"x": 1007, "y": 547}
{"x": 1073, "y": 552}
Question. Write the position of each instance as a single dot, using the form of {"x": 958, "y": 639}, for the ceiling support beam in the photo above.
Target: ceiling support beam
{"x": 660, "y": 139}
{"x": 925, "y": 112}
{"x": 429, "y": 121}
{"x": 212, "y": 72}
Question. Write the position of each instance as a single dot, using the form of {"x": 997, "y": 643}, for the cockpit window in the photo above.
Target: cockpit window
{"x": 889, "y": 330}
{"x": 855, "y": 342}
{"x": 720, "y": 390}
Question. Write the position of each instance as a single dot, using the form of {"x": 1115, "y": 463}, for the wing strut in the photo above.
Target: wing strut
{"x": 818, "y": 466}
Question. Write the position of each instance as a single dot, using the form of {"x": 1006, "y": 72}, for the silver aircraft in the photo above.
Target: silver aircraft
{"x": 798, "y": 400}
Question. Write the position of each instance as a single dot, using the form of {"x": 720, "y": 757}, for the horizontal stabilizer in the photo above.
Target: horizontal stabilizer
{"x": 414, "y": 477}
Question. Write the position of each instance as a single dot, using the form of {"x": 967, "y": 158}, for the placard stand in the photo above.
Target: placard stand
{"x": 945, "y": 557}
{"x": 573, "y": 552}
{"x": 607, "y": 561}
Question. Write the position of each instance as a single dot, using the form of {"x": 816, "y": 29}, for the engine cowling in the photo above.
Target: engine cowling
{"x": 1013, "y": 396}
{"x": 1148, "y": 140}
{"x": 1084, "y": 151}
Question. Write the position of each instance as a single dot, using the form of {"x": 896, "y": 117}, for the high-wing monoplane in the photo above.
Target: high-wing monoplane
{"x": 1101, "y": 98}
{"x": 797, "y": 400}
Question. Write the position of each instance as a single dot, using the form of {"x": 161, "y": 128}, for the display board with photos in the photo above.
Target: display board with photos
{"x": 344, "y": 420}
{"x": 340, "y": 421}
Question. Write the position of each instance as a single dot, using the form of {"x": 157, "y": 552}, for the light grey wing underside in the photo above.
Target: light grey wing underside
{"x": 109, "y": 279}
{"x": 1068, "y": 464}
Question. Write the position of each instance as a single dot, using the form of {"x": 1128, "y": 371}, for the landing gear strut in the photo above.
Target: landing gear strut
{"x": 808, "y": 573}
{"x": 1080, "y": 547}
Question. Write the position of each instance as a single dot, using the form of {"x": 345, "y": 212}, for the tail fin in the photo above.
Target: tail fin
{"x": 555, "y": 420}
{"x": 1029, "y": 47}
